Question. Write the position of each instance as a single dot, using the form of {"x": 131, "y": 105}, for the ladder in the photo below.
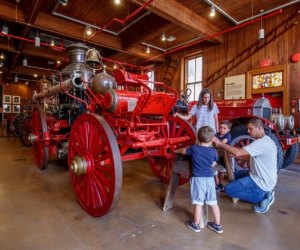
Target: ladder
{"x": 172, "y": 66}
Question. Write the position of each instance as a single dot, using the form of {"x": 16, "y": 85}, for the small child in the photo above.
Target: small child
{"x": 202, "y": 181}
{"x": 225, "y": 137}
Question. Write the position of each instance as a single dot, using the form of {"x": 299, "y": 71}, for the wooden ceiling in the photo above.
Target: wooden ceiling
{"x": 120, "y": 32}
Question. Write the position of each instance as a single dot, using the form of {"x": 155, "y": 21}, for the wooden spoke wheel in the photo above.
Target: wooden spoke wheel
{"x": 162, "y": 166}
{"x": 95, "y": 165}
{"x": 25, "y": 131}
{"x": 39, "y": 133}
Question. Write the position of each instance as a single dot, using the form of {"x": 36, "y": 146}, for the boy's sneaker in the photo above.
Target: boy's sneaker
{"x": 215, "y": 227}
{"x": 265, "y": 204}
{"x": 219, "y": 187}
{"x": 192, "y": 225}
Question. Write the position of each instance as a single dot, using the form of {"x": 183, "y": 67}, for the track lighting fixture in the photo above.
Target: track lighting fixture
{"x": 4, "y": 29}
{"x": 212, "y": 12}
{"x": 148, "y": 50}
{"x": 52, "y": 43}
{"x": 88, "y": 30}
{"x": 24, "y": 61}
{"x": 16, "y": 78}
{"x": 63, "y": 2}
{"x": 37, "y": 40}
{"x": 2, "y": 56}
{"x": 261, "y": 32}
{"x": 26, "y": 83}
{"x": 163, "y": 37}
{"x": 1, "y": 64}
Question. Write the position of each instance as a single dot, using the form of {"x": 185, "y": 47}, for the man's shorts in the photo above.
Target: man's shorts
{"x": 203, "y": 190}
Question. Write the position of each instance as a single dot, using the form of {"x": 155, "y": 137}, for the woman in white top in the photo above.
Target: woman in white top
{"x": 205, "y": 112}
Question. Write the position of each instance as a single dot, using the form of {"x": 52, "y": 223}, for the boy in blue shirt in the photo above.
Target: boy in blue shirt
{"x": 202, "y": 181}
{"x": 224, "y": 136}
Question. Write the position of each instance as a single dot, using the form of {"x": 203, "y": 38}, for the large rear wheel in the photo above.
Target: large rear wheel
{"x": 175, "y": 128}
{"x": 39, "y": 137}
{"x": 95, "y": 165}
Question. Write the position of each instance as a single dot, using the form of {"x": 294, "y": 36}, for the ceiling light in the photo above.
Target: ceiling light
{"x": 4, "y": 29}
{"x": 63, "y": 2}
{"x": 148, "y": 50}
{"x": 24, "y": 61}
{"x": 35, "y": 75}
{"x": 163, "y": 37}
{"x": 16, "y": 78}
{"x": 115, "y": 66}
{"x": 58, "y": 61}
{"x": 1, "y": 71}
{"x": 212, "y": 12}
{"x": 88, "y": 30}
{"x": 1, "y": 64}
{"x": 117, "y": 2}
{"x": 261, "y": 32}
{"x": 37, "y": 40}
{"x": 26, "y": 83}
{"x": 52, "y": 43}
{"x": 2, "y": 55}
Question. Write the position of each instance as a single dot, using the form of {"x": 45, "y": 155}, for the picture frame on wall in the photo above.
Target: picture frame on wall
{"x": 6, "y": 98}
{"x": 16, "y": 99}
{"x": 6, "y": 108}
{"x": 16, "y": 108}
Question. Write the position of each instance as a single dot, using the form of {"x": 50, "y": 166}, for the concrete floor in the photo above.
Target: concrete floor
{"x": 38, "y": 210}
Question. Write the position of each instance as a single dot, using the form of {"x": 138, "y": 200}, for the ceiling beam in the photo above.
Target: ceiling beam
{"x": 184, "y": 17}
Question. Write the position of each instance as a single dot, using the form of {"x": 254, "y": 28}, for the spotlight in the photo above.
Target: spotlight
{"x": 1, "y": 64}
{"x": 4, "y": 29}
{"x": 148, "y": 50}
{"x": 26, "y": 83}
{"x": 163, "y": 37}
{"x": 16, "y": 78}
{"x": 212, "y": 12}
{"x": 52, "y": 43}
{"x": 35, "y": 75}
{"x": 88, "y": 30}
{"x": 58, "y": 61}
{"x": 63, "y": 2}
{"x": 117, "y": 2}
{"x": 24, "y": 61}
{"x": 2, "y": 55}
{"x": 115, "y": 66}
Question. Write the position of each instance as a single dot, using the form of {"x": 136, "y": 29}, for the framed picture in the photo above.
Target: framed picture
{"x": 235, "y": 87}
{"x": 16, "y": 99}
{"x": 269, "y": 81}
{"x": 6, "y": 108}
{"x": 6, "y": 98}
{"x": 16, "y": 108}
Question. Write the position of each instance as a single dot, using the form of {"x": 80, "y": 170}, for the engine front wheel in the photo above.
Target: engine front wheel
{"x": 95, "y": 165}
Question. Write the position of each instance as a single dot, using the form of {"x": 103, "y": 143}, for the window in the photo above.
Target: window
{"x": 151, "y": 78}
{"x": 193, "y": 76}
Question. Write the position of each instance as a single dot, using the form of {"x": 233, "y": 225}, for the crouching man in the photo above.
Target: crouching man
{"x": 255, "y": 185}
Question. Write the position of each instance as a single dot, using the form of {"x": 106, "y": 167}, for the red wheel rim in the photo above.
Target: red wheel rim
{"x": 39, "y": 128}
{"x": 161, "y": 166}
{"x": 98, "y": 185}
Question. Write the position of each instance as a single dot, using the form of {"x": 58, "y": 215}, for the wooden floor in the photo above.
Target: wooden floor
{"x": 38, "y": 210}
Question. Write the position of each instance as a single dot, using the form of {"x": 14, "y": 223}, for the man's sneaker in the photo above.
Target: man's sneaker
{"x": 219, "y": 187}
{"x": 192, "y": 225}
{"x": 215, "y": 227}
{"x": 265, "y": 204}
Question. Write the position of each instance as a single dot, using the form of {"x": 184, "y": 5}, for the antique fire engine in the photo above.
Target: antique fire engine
{"x": 99, "y": 120}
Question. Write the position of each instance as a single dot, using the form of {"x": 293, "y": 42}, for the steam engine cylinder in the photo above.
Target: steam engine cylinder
{"x": 120, "y": 101}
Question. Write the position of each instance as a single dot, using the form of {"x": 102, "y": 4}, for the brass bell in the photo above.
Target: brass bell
{"x": 93, "y": 58}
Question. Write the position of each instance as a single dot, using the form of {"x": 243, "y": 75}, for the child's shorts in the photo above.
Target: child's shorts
{"x": 203, "y": 190}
